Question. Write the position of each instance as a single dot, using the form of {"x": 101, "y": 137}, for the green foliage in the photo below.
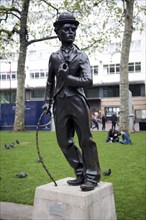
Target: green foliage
{"x": 90, "y": 13}
{"x": 65, "y": 3}
{"x": 127, "y": 163}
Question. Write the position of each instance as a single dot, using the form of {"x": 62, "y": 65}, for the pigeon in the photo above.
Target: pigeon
{"x": 7, "y": 146}
{"x": 21, "y": 175}
{"x": 107, "y": 172}
{"x": 12, "y": 145}
{"x": 40, "y": 159}
{"x": 17, "y": 142}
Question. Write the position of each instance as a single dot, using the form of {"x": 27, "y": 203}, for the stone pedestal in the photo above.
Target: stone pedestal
{"x": 64, "y": 202}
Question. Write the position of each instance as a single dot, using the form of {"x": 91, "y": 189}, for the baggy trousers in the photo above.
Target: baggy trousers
{"x": 71, "y": 113}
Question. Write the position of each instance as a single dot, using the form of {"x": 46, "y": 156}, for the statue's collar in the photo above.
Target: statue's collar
{"x": 67, "y": 49}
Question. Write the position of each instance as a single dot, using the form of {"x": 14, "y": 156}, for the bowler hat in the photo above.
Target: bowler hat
{"x": 66, "y": 17}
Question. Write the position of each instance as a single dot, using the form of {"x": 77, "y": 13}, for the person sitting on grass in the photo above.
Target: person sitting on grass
{"x": 125, "y": 137}
{"x": 113, "y": 136}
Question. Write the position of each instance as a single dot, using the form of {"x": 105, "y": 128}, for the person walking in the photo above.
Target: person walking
{"x": 114, "y": 120}
{"x": 103, "y": 121}
{"x": 95, "y": 121}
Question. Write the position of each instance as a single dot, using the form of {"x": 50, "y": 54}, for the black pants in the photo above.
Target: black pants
{"x": 72, "y": 114}
{"x": 113, "y": 125}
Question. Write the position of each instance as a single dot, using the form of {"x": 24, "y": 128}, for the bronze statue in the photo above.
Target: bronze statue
{"x": 69, "y": 72}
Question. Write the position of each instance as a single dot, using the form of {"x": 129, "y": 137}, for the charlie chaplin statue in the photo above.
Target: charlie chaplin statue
{"x": 69, "y": 72}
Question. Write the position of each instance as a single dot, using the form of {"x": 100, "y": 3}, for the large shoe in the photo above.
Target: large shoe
{"x": 88, "y": 186}
{"x": 76, "y": 182}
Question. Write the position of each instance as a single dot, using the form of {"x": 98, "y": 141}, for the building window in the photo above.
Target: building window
{"x": 3, "y": 76}
{"x": 115, "y": 68}
{"x": 131, "y": 67}
{"x": 32, "y": 75}
{"x": 112, "y": 68}
{"x": 134, "y": 67}
{"x": 137, "y": 67}
{"x": 8, "y": 96}
{"x": 13, "y": 75}
{"x": 38, "y": 74}
{"x": 8, "y": 76}
{"x": 42, "y": 74}
{"x": 92, "y": 92}
{"x": 37, "y": 93}
{"x": 135, "y": 89}
{"x": 94, "y": 70}
{"x": 112, "y": 110}
{"x": 111, "y": 91}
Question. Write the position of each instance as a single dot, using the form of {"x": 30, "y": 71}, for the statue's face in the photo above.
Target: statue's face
{"x": 67, "y": 33}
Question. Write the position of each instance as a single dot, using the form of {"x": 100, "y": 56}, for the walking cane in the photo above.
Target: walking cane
{"x": 37, "y": 145}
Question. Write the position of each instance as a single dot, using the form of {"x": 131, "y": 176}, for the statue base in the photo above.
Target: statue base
{"x": 65, "y": 202}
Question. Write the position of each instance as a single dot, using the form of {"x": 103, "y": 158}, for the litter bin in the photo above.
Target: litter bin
{"x": 142, "y": 126}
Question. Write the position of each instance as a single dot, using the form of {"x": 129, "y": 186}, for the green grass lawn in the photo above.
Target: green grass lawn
{"x": 128, "y": 163}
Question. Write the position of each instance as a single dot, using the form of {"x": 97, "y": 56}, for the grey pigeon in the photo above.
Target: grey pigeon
{"x": 21, "y": 175}
{"x": 17, "y": 142}
{"x": 107, "y": 172}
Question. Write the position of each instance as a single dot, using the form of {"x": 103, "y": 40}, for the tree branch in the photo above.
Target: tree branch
{"x": 50, "y": 5}
{"x": 91, "y": 45}
{"x": 4, "y": 19}
{"x": 10, "y": 11}
{"x": 41, "y": 39}
{"x": 10, "y": 33}
{"x": 15, "y": 10}
{"x": 14, "y": 15}
{"x": 5, "y": 31}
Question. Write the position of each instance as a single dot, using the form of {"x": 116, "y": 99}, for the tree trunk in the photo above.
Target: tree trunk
{"x": 20, "y": 97}
{"x": 124, "y": 82}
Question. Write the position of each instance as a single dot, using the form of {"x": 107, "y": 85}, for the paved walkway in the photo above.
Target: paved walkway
{"x": 108, "y": 126}
{"x": 13, "y": 211}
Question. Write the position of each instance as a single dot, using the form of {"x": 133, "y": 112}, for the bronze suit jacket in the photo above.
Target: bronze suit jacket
{"x": 79, "y": 74}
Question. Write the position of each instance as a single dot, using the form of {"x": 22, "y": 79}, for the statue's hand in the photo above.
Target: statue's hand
{"x": 63, "y": 70}
{"x": 47, "y": 107}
